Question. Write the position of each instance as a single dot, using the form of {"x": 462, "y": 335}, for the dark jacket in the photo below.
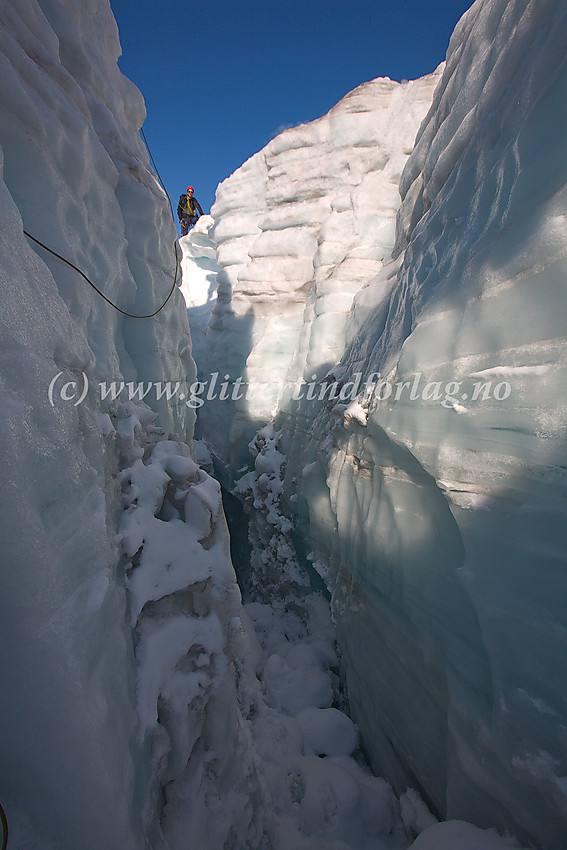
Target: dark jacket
{"x": 188, "y": 207}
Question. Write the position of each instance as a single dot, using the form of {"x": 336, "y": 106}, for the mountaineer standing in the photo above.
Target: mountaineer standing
{"x": 189, "y": 211}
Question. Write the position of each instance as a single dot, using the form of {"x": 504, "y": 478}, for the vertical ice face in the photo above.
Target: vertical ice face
{"x": 105, "y": 689}
{"x": 299, "y": 227}
{"x": 78, "y": 174}
{"x": 199, "y": 283}
{"x": 438, "y": 516}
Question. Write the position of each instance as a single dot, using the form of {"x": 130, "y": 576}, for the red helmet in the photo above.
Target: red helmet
{"x": 190, "y": 189}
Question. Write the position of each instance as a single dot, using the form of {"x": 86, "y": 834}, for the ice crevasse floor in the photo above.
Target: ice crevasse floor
{"x": 322, "y": 792}
{"x": 316, "y": 790}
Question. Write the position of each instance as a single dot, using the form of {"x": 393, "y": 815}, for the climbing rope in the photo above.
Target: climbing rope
{"x": 157, "y": 172}
{"x": 3, "y": 820}
{"x": 4, "y": 823}
{"x": 89, "y": 281}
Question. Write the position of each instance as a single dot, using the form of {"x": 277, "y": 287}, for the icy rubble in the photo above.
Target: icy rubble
{"x": 320, "y": 791}
{"x": 236, "y": 704}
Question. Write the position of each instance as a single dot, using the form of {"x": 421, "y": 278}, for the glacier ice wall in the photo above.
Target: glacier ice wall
{"x": 438, "y": 517}
{"x": 89, "y": 734}
{"x": 298, "y": 228}
{"x": 199, "y": 272}
{"x": 431, "y": 496}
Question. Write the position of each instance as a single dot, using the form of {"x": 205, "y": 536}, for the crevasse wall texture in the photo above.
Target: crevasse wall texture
{"x": 299, "y": 228}
{"x": 438, "y": 519}
{"x": 90, "y": 733}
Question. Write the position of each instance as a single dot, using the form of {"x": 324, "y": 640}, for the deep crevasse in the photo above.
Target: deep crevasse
{"x": 132, "y": 713}
{"x": 436, "y": 516}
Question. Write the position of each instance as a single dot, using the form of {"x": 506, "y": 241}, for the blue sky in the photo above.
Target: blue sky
{"x": 222, "y": 77}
